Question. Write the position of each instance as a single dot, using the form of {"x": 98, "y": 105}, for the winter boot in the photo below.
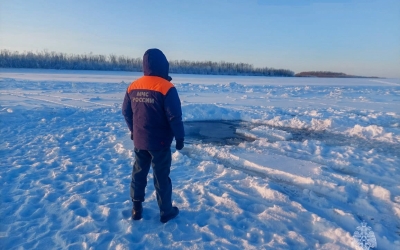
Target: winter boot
{"x": 165, "y": 218}
{"x": 137, "y": 210}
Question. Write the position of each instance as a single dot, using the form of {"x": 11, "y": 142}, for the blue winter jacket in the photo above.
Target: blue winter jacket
{"x": 151, "y": 107}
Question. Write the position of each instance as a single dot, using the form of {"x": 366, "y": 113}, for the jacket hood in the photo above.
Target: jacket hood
{"x": 156, "y": 64}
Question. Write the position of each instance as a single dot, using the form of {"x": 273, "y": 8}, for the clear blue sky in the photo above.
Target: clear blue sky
{"x": 359, "y": 37}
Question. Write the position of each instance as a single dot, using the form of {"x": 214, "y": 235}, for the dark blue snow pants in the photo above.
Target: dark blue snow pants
{"x": 160, "y": 160}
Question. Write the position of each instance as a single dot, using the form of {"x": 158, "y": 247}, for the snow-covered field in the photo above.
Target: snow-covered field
{"x": 312, "y": 160}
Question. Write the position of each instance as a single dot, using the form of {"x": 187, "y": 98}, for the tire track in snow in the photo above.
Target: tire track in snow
{"x": 314, "y": 195}
{"x": 278, "y": 176}
{"x": 343, "y": 106}
{"x": 54, "y": 96}
{"x": 389, "y": 83}
{"x": 43, "y": 100}
{"x": 75, "y": 99}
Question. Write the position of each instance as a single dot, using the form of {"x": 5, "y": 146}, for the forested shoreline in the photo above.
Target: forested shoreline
{"x": 328, "y": 74}
{"x": 57, "y": 60}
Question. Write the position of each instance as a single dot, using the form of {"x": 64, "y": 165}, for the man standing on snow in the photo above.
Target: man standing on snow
{"x": 152, "y": 111}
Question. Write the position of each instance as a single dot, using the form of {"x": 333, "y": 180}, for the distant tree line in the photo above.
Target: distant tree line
{"x": 328, "y": 74}
{"x": 56, "y": 60}
{"x": 321, "y": 74}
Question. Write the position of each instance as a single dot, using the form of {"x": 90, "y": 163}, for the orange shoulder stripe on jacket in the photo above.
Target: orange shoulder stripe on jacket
{"x": 154, "y": 83}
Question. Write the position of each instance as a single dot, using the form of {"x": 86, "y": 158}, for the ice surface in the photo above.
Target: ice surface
{"x": 321, "y": 156}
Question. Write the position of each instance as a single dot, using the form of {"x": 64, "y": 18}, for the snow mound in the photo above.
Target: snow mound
{"x": 373, "y": 132}
{"x": 271, "y": 134}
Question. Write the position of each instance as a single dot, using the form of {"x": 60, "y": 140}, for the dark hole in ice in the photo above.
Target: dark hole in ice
{"x": 223, "y": 132}
{"x": 219, "y": 132}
